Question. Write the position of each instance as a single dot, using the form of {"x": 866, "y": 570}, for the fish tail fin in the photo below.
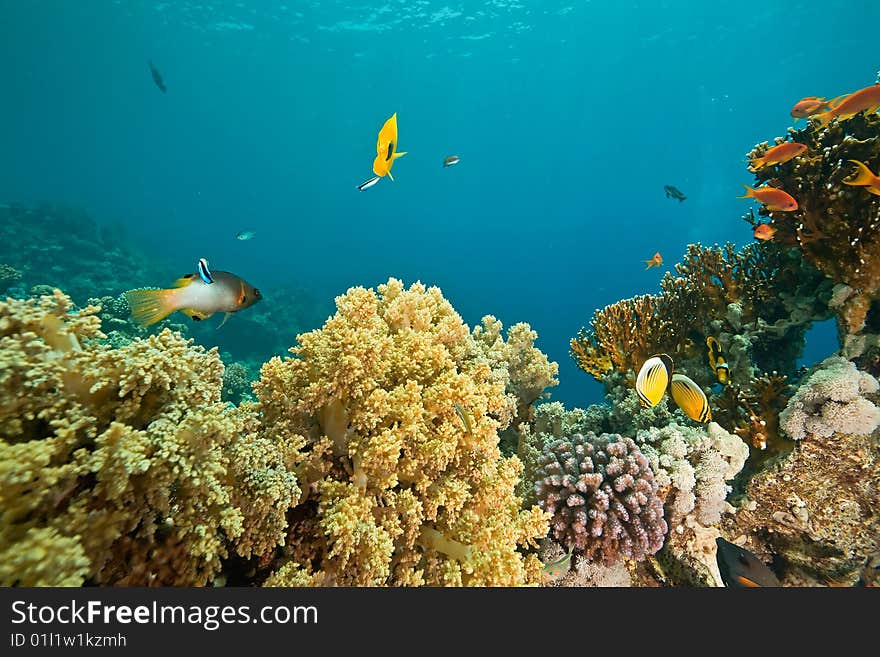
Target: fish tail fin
{"x": 150, "y": 306}
{"x": 401, "y": 154}
{"x": 648, "y": 264}
{"x": 750, "y": 193}
{"x": 834, "y": 102}
{"x": 864, "y": 176}
{"x": 823, "y": 118}
{"x": 756, "y": 164}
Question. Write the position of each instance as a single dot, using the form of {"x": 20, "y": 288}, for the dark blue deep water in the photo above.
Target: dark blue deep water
{"x": 569, "y": 118}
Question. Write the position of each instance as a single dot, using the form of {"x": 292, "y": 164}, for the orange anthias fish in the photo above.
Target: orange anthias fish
{"x": 863, "y": 100}
{"x": 776, "y": 200}
{"x": 764, "y": 232}
{"x": 656, "y": 261}
{"x": 779, "y": 154}
{"x": 811, "y": 105}
{"x": 864, "y": 177}
{"x": 195, "y": 297}
{"x": 386, "y": 148}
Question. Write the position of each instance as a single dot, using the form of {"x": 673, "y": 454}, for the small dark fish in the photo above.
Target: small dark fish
{"x": 369, "y": 183}
{"x": 245, "y": 235}
{"x": 157, "y": 78}
{"x": 204, "y": 272}
{"x": 673, "y": 192}
{"x": 451, "y": 160}
{"x": 740, "y": 568}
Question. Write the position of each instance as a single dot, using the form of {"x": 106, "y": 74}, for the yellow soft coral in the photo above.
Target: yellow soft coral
{"x": 413, "y": 489}
{"x": 123, "y": 464}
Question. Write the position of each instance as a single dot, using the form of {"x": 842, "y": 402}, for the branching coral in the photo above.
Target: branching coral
{"x": 716, "y": 290}
{"x": 397, "y": 408}
{"x": 122, "y": 463}
{"x": 837, "y": 227}
{"x": 602, "y": 496}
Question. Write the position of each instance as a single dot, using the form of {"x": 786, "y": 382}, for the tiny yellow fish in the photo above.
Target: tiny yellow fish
{"x": 465, "y": 417}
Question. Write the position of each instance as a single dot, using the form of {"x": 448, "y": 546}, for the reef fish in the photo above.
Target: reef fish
{"x": 673, "y": 192}
{"x": 245, "y": 235}
{"x": 369, "y": 183}
{"x": 775, "y": 200}
{"x": 764, "y": 232}
{"x": 656, "y": 376}
{"x": 779, "y": 154}
{"x": 157, "y": 77}
{"x": 863, "y": 100}
{"x": 864, "y": 177}
{"x": 717, "y": 361}
{"x": 386, "y": 148}
{"x": 451, "y": 160}
{"x": 556, "y": 570}
{"x": 810, "y": 105}
{"x": 204, "y": 272}
{"x": 740, "y": 568}
{"x": 656, "y": 261}
{"x": 195, "y": 298}
{"x": 465, "y": 417}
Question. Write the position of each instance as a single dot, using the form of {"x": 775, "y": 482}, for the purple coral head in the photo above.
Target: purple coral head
{"x": 603, "y": 497}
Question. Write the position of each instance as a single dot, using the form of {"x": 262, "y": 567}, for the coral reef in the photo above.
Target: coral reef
{"x": 123, "y": 464}
{"x": 832, "y": 400}
{"x": 395, "y": 408}
{"x": 602, "y": 496}
{"x": 757, "y": 302}
{"x": 817, "y": 509}
{"x": 837, "y": 227}
{"x": 8, "y": 276}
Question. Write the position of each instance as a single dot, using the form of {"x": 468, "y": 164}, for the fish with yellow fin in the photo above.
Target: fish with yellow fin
{"x": 717, "y": 361}
{"x": 556, "y": 570}
{"x": 657, "y": 375}
{"x": 740, "y": 568}
{"x": 386, "y": 148}
{"x": 864, "y": 177}
{"x": 198, "y": 296}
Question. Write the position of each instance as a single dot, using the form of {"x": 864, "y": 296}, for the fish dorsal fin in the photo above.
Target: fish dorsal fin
{"x": 401, "y": 154}
{"x": 183, "y": 281}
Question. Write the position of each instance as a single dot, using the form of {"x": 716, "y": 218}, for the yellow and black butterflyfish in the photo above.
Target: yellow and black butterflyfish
{"x": 717, "y": 361}
{"x": 386, "y": 148}
{"x": 690, "y": 398}
{"x": 653, "y": 379}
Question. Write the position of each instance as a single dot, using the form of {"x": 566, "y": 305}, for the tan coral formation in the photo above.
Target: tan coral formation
{"x": 122, "y": 464}
{"x": 818, "y": 508}
{"x": 397, "y": 409}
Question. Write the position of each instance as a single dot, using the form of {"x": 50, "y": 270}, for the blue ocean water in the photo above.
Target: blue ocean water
{"x": 569, "y": 118}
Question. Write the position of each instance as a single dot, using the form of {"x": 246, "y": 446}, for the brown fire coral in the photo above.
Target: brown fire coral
{"x": 123, "y": 464}
{"x": 397, "y": 409}
{"x": 837, "y": 227}
{"x": 760, "y": 289}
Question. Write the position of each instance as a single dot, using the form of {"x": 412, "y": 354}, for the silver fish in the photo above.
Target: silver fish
{"x": 244, "y": 235}
{"x": 369, "y": 183}
{"x": 450, "y": 160}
